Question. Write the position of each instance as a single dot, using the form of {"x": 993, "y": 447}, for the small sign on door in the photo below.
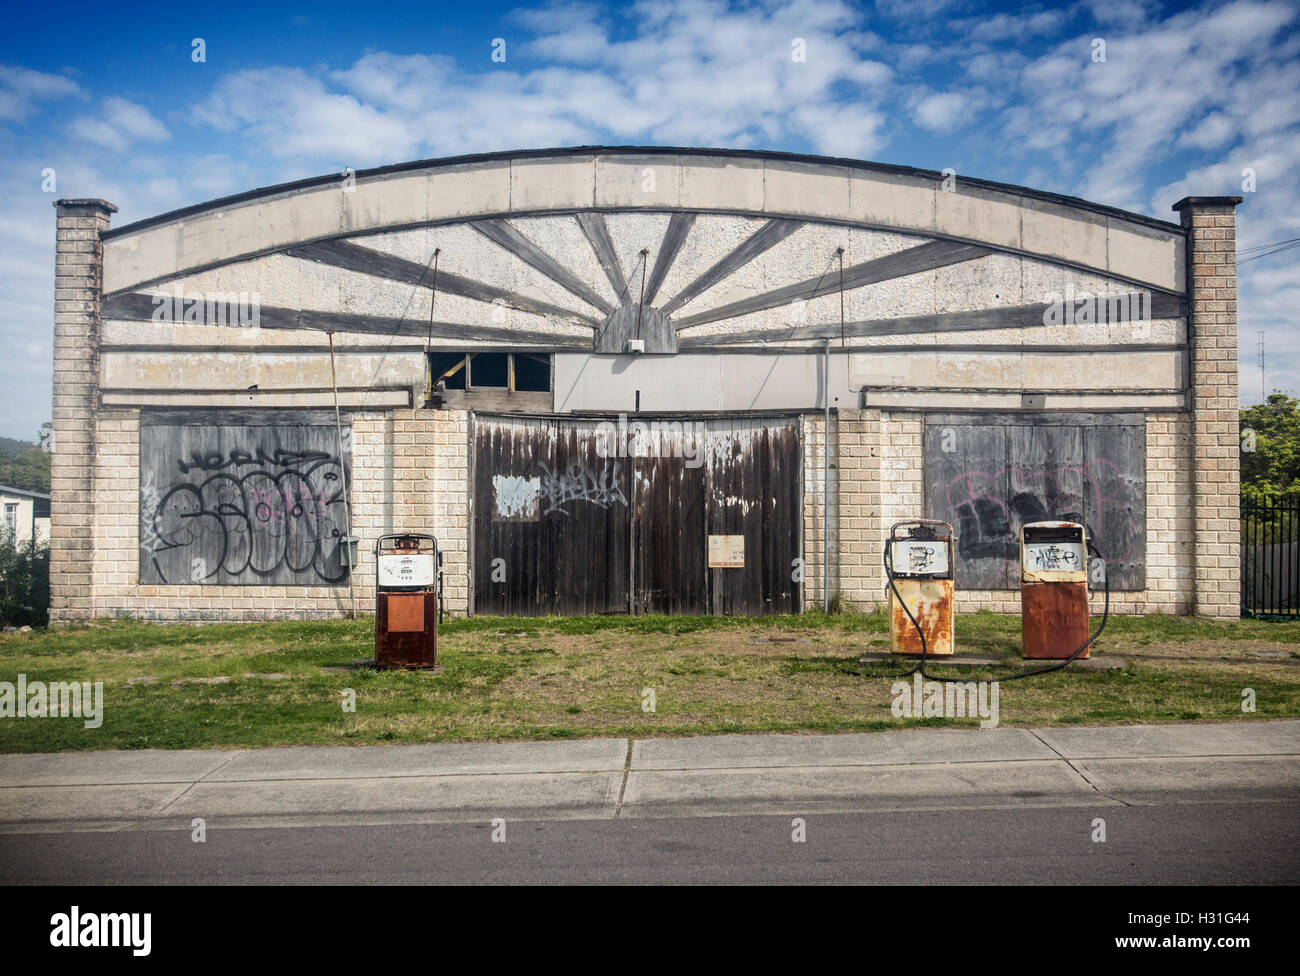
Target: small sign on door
{"x": 726, "y": 552}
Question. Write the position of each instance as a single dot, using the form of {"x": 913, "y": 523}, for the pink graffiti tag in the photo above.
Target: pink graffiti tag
{"x": 989, "y": 521}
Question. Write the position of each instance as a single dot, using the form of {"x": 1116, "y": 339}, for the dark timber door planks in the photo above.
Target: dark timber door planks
{"x": 566, "y": 522}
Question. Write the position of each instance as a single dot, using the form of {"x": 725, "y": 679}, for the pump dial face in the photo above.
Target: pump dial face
{"x": 920, "y": 557}
{"x": 405, "y": 569}
{"x": 1054, "y": 557}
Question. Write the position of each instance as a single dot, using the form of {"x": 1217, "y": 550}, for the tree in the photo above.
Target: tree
{"x": 29, "y": 471}
{"x": 1270, "y": 452}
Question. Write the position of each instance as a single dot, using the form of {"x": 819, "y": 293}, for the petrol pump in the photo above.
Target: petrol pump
{"x": 406, "y": 601}
{"x": 1054, "y": 590}
{"x": 918, "y": 564}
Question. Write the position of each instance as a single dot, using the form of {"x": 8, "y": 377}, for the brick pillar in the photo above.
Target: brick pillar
{"x": 1216, "y": 462}
{"x": 862, "y": 532}
{"x": 78, "y": 286}
{"x": 815, "y": 528}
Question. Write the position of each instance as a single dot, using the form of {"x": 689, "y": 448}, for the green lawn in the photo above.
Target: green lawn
{"x": 571, "y": 677}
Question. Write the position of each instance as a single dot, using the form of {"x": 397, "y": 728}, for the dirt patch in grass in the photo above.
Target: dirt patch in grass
{"x": 1206, "y": 649}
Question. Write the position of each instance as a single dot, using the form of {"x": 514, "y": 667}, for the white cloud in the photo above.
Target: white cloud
{"x": 134, "y": 120}
{"x": 914, "y": 56}
{"x": 1268, "y": 288}
{"x": 915, "y": 9}
{"x": 120, "y": 124}
{"x": 555, "y": 17}
{"x": 1124, "y": 14}
{"x": 695, "y": 72}
{"x": 1222, "y": 79}
{"x": 1000, "y": 66}
{"x": 573, "y": 33}
{"x": 22, "y": 89}
{"x": 852, "y": 131}
{"x": 1013, "y": 27}
{"x": 943, "y": 112}
{"x": 1113, "y": 122}
{"x": 1211, "y": 132}
{"x": 288, "y": 112}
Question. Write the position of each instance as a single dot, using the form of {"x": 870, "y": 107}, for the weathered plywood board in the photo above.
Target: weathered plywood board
{"x": 991, "y": 474}
{"x": 1115, "y": 490}
{"x": 967, "y": 484}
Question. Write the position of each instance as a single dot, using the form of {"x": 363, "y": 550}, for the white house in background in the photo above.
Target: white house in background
{"x": 24, "y": 514}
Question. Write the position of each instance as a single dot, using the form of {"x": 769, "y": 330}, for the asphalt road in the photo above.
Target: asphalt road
{"x": 1185, "y": 843}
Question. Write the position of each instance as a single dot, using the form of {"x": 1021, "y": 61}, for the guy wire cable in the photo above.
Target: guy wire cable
{"x": 398, "y": 329}
{"x": 433, "y": 297}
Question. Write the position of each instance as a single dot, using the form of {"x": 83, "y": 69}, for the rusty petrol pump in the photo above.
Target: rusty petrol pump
{"x": 407, "y": 601}
{"x": 919, "y": 570}
{"x": 1054, "y": 593}
{"x": 1054, "y": 590}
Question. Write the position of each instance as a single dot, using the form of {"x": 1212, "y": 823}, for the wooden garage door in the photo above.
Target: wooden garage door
{"x": 576, "y": 516}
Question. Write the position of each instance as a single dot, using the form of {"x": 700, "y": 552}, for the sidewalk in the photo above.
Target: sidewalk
{"x": 916, "y": 769}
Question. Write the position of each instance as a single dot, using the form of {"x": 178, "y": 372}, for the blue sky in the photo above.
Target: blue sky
{"x": 1188, "y": 96}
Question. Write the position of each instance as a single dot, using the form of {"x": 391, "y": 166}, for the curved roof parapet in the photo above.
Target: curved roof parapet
{"x": 902, "y": 199}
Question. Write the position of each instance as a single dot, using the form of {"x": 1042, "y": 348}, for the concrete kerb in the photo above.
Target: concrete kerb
{"x": 911, "y": 769}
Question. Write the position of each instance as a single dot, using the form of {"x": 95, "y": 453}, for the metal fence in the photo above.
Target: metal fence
{"x": 1270, "y": 561}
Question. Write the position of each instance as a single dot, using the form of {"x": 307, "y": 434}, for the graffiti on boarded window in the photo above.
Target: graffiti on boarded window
{"x": 223, "y": 504}
{"x": 989, "y": 475}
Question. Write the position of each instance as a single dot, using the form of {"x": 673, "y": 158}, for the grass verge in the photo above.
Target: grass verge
{"x": 577, "y": 677}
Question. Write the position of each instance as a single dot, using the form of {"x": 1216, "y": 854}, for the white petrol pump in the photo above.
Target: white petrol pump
{"x": 919, "y": 571}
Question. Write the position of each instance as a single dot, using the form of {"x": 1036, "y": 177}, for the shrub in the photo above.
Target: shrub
{"x": 24, "y": 584}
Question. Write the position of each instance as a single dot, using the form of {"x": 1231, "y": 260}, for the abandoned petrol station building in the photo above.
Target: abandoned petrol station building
{"x": 986, "y": 354}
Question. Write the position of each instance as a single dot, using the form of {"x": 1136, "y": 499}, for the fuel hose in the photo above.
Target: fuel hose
{"x": 1055, "y": 666}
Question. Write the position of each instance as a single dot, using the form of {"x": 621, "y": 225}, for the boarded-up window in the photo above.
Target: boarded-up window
{"x": 989, "y": 474}
{"x": 242, "y": 498}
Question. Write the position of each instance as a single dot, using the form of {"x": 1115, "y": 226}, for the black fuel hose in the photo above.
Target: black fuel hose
{"x": 1056, "y": 666}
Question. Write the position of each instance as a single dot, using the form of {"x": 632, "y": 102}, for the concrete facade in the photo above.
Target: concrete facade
{"x": 948, "y": 305}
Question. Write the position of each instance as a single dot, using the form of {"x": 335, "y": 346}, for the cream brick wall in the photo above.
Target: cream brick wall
{"x": 902, "y": 470}
{"x": 1171, "y": 548}
{"x": 862, "y": 546}
{"x": 884, "y": 452}
{"x": 814, "y": 480}
{"x": 409, "y": 473}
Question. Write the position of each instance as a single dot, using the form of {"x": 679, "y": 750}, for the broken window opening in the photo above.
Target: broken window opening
{"x": 515, "y": 372}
